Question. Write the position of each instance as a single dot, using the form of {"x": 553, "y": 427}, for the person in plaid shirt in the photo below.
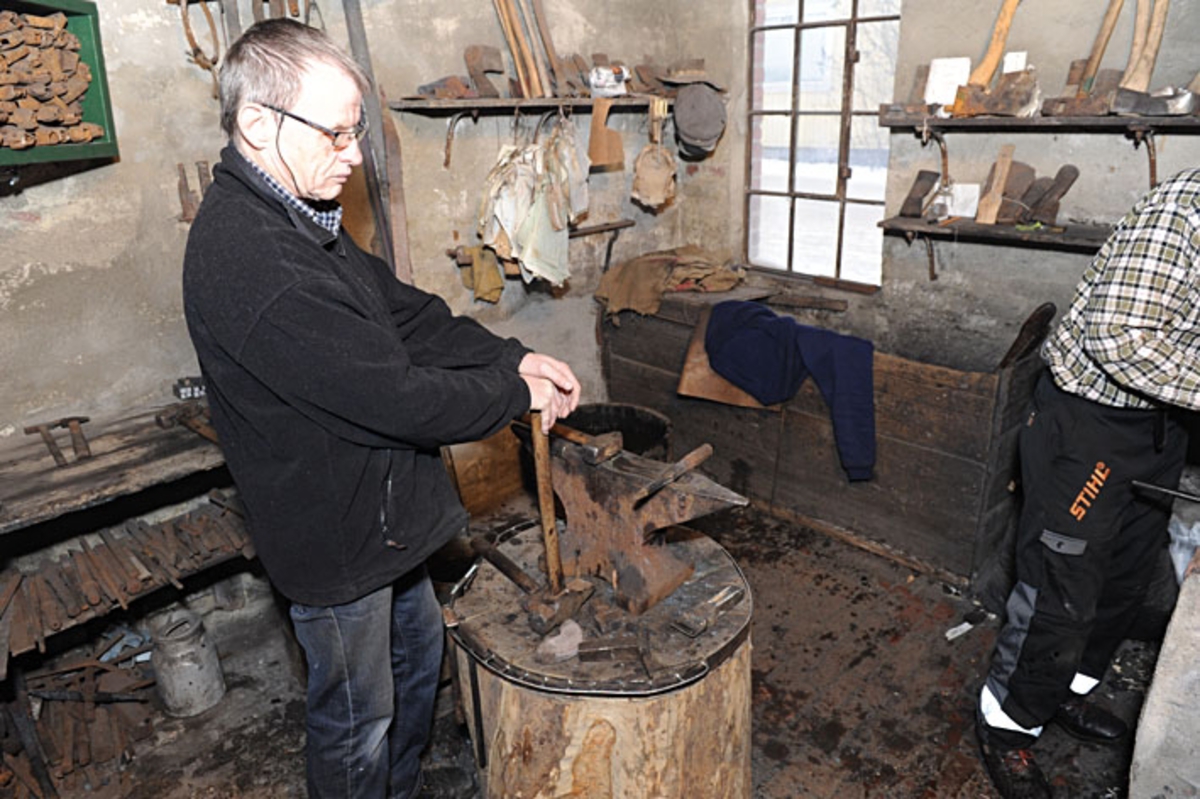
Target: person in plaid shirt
{"x": 1123, "y": 360}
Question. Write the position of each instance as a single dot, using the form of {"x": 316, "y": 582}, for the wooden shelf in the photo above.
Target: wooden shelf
{"x": 1071, "y": 238}
{"x": 495, "y": 105}
{"x": 891, "y": 116}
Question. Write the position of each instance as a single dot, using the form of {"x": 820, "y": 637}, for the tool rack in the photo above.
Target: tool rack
{"x": 72, "y": 571}
{"x": 1083, "y": 238}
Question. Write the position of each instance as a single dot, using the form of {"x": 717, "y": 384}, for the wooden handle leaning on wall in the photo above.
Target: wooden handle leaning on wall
{"x": 982, "y": 74}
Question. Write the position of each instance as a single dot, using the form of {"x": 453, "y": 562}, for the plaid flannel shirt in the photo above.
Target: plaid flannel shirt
{"x": 1131, "y": 337}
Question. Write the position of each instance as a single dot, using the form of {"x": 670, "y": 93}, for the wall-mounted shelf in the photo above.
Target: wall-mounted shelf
{"x": 499, "y": 105}
{"x": 1070, "y": 238}
{"x": 891, "y": 116}
{"x": 1086, "y": 238}
{"x": 544, "y": 106}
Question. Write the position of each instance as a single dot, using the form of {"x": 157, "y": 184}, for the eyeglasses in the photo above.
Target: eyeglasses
{"x": 341, "y": 139}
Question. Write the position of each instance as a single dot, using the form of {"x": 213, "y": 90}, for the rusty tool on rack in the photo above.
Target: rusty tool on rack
{"x": 78, "y": 441}
{"x": 1015, "y": 93}
{"x": 1091, "y": 91}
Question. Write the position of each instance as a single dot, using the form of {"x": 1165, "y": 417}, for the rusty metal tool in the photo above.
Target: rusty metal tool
{"x": 33, "y": 614}
{"x": 695, "y": 621}
{"x": 104, "y": 576}
{"x": 673, "y": 472}
{"x": 546, "y": 609}
{"x": 87, "y": 579}
{"x": 596, "y": 448}
{"x": 78, "y": 441}
{"x": 120, "y": 557}
{"x": 153, "y": 553}
{"x": 482, "y": 59}
{"x": 1015, "y": 93}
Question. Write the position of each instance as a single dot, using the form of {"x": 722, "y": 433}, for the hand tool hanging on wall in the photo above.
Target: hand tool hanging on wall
{"x": 197, "y": 55}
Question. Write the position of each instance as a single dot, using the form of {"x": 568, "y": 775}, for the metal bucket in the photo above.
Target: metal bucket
{"x": 186, "y": 666}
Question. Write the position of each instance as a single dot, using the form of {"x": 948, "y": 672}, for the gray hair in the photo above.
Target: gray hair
{"x": 265, "y": 66}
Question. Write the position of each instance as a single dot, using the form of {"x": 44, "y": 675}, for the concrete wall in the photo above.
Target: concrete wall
{"x": 90, "y": 318}
{"x": 968, "y": 317}
{"x": 90, "y": 313}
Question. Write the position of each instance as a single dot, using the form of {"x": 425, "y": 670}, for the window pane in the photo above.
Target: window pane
{"x": 862, "y": 250}
{"x": 821, "y": 57}
{"x": 773, "y": 60}
{"x": 815, "y": 237}
{"x": 768, "y": 231}
{"x": 875, "y": 72}
{"x": 817, "y": 154}
{"x": 878, "y": 8}
{"x": 776, "y": 12}
{"x": 868, "y": 159}
{"x": 769, "y": 152}
{"x": 820, "y": 10}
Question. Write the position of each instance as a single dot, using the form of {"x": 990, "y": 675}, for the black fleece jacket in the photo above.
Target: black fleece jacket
{"x": 332, "y": 385}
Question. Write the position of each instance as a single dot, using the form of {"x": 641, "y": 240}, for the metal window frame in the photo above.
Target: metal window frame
{"x": 846, "y": 115}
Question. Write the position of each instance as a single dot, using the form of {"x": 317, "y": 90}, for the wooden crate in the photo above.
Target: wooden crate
{"x": 942, "y": 497}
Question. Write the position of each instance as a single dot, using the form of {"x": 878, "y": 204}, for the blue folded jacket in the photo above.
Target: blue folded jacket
{"x": 770, "y": 356}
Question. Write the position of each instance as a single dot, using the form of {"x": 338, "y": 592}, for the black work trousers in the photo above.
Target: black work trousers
{"x": 1087, "y": 543}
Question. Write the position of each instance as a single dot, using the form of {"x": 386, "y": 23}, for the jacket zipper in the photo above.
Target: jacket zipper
{"x": 383, "y": 510}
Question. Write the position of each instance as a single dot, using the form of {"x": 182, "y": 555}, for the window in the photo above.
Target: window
{"x": 818, "y": 158}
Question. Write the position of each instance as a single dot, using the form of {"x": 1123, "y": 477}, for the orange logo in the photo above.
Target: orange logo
{"x": 1091, "y": 490}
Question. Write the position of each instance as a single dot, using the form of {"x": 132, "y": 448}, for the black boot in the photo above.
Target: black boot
{"x": 1012, "y": 766}
{"x": 1089, "y": 722}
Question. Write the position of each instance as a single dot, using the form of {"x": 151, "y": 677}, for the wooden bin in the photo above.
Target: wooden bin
{"x": 942, "y": 499}
{"x": 675, "y": 725}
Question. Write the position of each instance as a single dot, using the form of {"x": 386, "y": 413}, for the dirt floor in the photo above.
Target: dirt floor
{"x": 857, "y": 692}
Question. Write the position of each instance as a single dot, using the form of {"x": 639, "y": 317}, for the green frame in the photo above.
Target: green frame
{"x": 83, "y": 20}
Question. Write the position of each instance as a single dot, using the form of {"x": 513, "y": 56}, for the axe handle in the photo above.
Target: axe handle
{"x": 1141, "y": 26}
{"x": 545, "y": 490}
{"x": 1138, "y": 79}
{"x": 1097, "y": 55}
{"x": 982, "y": 74}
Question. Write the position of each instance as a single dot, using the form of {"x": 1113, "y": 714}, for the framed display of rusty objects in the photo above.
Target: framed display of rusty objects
{"x": 54, "y": 100}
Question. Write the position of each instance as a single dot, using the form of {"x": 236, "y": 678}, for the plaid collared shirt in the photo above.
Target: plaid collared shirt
{"x": 1131, "y": 337}
{"x": 330, "y": 217}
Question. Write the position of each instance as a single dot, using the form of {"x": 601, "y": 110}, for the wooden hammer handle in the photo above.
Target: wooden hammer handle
{"x": 545, "y": 490}
{"x": 982, "y": 74}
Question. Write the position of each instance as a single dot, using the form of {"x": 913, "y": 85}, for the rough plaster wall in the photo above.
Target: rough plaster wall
{"x": 90, "y": 317}
{"x": 413, "y": 44}
{"x": 968, "y": 317}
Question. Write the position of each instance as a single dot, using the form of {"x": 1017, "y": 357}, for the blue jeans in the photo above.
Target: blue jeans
{"x": 371, "y": 695}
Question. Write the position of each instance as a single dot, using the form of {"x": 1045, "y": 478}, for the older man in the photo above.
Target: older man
{"x": 332, "y": 386}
